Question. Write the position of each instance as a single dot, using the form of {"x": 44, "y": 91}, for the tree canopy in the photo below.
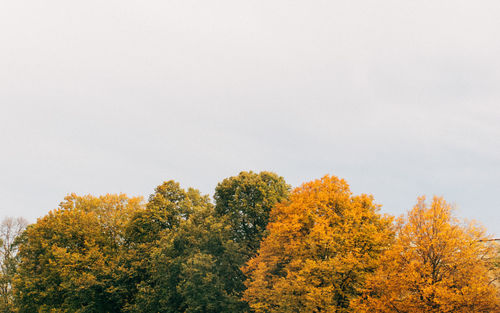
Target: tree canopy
{"x": 436, "y": 265}
{"x": 321, "y": 244}
{"x": 246, "y": 201}
{"x": 180, "y": 254}
{"x": 69, "y": 258}
{"x": 255, "y": 247}
{"x": 194, "y": 266}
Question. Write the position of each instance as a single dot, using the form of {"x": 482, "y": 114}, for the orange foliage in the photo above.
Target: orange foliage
{"x": 436, "y": 265}
{"x": 321, "y": 244}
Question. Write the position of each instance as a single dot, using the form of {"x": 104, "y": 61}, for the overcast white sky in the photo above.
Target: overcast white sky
{"x": 401, "y": 98}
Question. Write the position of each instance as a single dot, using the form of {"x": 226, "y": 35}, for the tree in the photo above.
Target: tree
{"x": 437, "y": 264}
{"x": 167, "y": 206}
{"x": 10, "y": 229}
{"x": 191, "y": 269}
{"x": 320, "y": 246}
{"x": 69, "y": 258}
{"x": 495, "y": 270}
{"x": 189, "y": 262}
{"x": 246, "y": 201}
{"x": 166, "y": 209}
{"x": 190, "y": 252}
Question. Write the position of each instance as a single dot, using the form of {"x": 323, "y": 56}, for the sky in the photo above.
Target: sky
{"x": 401, "y": 98}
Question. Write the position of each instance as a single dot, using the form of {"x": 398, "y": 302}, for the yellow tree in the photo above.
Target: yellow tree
{"x": 69, "y": 258}
{"x": 436, "y": 264}
{"x": 321, "y": 244}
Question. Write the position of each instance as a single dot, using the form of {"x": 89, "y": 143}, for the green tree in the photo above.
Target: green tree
{"x": 181, "y": 255}
{"x": 69, "y": 258}
{"x": 192, "y": 269}
{"x": 167, "y": 206}
{"x": 193, "y": 251}
{"x": 246, "y": 200}
{"x": 166, "y": 209}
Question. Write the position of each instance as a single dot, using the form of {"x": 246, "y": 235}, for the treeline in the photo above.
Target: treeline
{"x": 258, "y": 246}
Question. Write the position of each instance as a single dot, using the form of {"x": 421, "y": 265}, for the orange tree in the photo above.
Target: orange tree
{"x": 436, "y": 265}
{"x": 320, "y": 246}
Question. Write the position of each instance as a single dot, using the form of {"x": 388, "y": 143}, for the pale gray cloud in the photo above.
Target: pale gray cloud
{"x": 401, "y": 98}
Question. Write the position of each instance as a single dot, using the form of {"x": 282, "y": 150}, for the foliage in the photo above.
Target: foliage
{"x": 258, "y": 249}
{"x": 321, "y": 245}
{"x": 10, "y": 229}
{"x": 191, "y": 262}
{"x": 436, "y": 265}
{"x": 246, "y": 201}
{"x": 192, "y": 268}
{"x": 69, "y": 258}
{"x": 167, "y": 206}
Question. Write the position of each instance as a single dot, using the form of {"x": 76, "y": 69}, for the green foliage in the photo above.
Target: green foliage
{"x": 190, "y": 268}
{"x": 185, "y": 255}
{"x": 167, "y": 206}
{"x": 246, "y": 201}
{"x": 190, "y": 262}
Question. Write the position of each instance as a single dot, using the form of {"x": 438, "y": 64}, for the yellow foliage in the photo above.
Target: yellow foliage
{"x": 70, "y": 256}
{"x": 435, "y": 265}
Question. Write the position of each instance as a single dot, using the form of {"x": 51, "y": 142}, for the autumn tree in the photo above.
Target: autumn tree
{"x": 10, "y": 229}
{"x": 321, "y": 245}
{"x": 437, "y": 264}
{"x": 69, "y": 258}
